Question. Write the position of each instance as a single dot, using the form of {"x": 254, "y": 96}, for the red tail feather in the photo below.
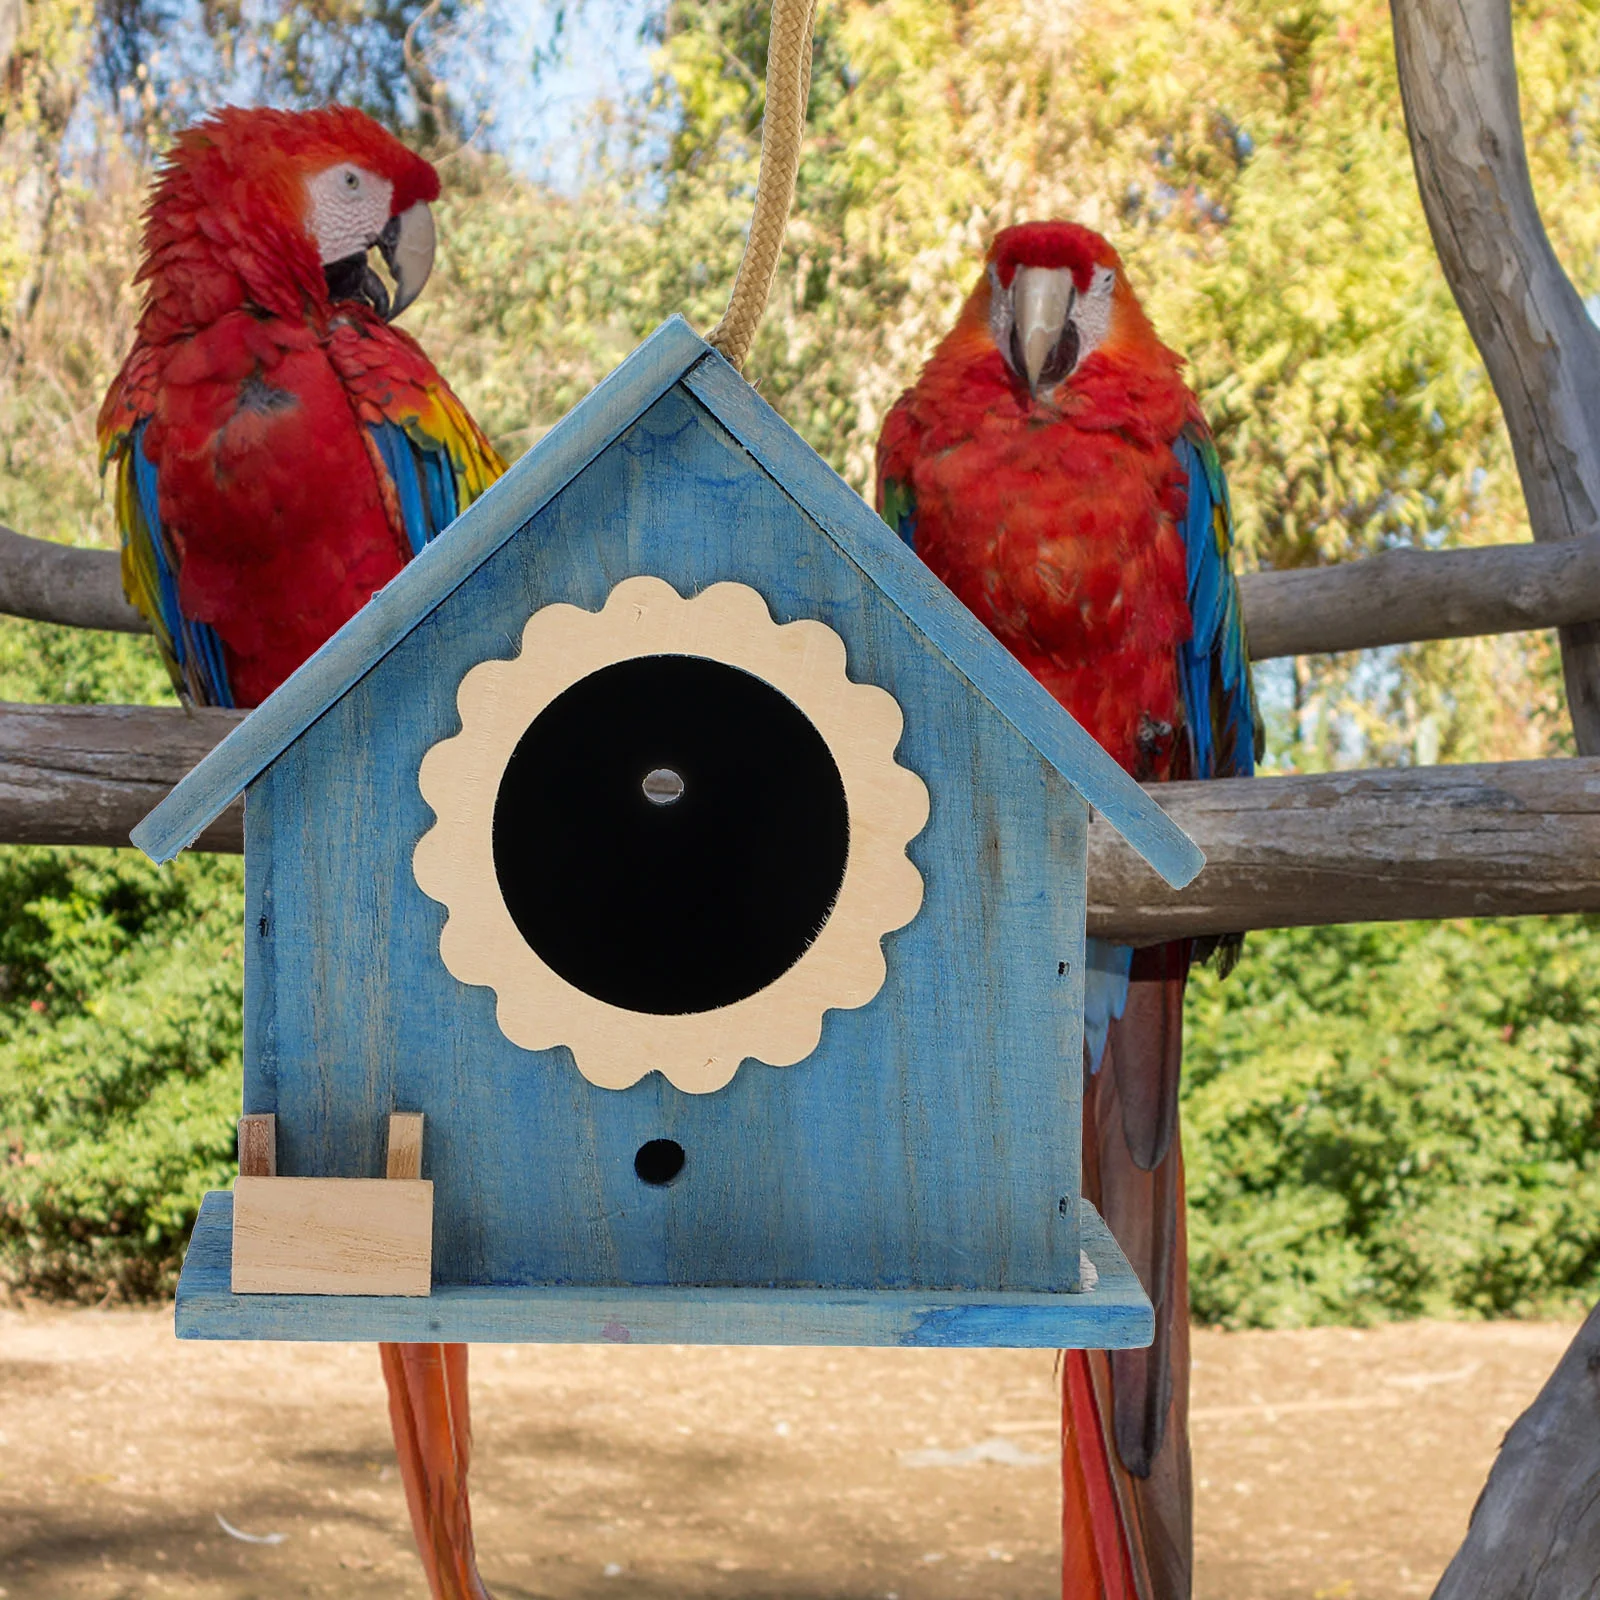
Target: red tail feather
{"x": 428, "y": 1411}
{"x": 1125, "y": 1416}
{"x": 1096, "y": 1557}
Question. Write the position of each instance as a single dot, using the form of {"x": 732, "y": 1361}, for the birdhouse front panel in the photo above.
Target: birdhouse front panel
{"x": 665, "y": 920}
{"x": 930, "y": 1136}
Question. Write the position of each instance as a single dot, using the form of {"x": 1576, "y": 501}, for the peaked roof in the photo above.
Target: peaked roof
{"x": 673, "y": 354}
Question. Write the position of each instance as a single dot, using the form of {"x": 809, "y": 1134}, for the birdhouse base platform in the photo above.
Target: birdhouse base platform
{"x": 1114, "y": 1314}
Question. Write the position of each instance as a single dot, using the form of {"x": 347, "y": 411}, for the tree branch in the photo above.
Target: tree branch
{"x": 1535, "y": 1531}
{"x": 1393, "y": 598}
{"x": 1458, "y": 82}
{"x": 56, "y": 583}
{"x": 1523, "y": 836}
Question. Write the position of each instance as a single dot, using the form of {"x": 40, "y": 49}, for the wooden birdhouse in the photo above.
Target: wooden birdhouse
{"x": 664, "y": 922}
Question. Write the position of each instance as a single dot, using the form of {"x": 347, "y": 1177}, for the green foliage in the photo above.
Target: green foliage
{"x": 1394, "y": 1121}
{"x": 119, "y": 1063}
{"x": 67, "y": 665}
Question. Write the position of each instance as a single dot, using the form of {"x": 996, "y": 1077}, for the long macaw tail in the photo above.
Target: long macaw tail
{"x": 428, "y": 1411}
{"x": 1127, "y": 1515}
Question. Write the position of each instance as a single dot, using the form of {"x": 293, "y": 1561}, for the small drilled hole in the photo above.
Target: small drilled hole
{"x": 658, "y": 1161}
{"x": 662, "y": 786}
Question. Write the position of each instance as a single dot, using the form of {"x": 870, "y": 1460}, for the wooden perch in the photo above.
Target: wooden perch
{"x": 1458, "y": 82}
{"x": 1535, "y": 1531}
{"x": 1507, "y": 840}
{"x": 56, "y": 583}
{"x": 1512, "y": 839}
{"x": 86, "y": 774}
{"x": 1405, "y": 595}
{"x": 1394, "y": 598}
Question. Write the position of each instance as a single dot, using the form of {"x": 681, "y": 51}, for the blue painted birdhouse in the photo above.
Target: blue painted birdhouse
{"x": 665, "y": 921}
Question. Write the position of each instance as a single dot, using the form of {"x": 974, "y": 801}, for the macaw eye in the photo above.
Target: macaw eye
{"x": 352, "y": 180}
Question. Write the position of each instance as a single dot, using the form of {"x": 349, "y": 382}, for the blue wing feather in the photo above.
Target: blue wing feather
{"x": 1213, "y": 669}
{"x": 900, "y": 509}
{"x": 193, "y": 648}
{"x": 1218, "y": 703}
{"x": 424, "y": 482}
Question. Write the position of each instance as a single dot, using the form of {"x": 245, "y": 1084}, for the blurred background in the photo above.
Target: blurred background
{"x": 1384, "y": 1121}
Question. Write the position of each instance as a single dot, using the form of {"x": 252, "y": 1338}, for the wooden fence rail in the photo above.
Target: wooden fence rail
{"x": 1506, "y": 840}
{"x": 87, "y": 774}
{"x": 1394, "y": 598}
{"x": 1403, "y": 596}
{"x": 1383, "y": 845}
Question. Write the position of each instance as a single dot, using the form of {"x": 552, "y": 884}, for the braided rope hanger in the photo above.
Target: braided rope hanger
{"x": 782, "y": 129}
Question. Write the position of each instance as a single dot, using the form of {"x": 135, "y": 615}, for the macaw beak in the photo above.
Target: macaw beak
{"x": 407, "y": 245}
{"x": 1044, "y": 339}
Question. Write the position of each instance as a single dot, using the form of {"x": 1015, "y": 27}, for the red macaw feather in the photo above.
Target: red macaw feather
{"x": 1085, "y": 521}
{"x": 428, "y": 1413}
{"x": 278, "y": 457}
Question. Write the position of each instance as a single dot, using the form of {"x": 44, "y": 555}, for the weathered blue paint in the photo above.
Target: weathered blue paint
{"x": 1113, "y": 1315}
{"x": 915, "y": 1179}
{"x": 927, "y": 1142}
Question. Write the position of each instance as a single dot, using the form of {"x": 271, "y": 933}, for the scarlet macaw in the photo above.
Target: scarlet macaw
{"x": 1051, "y": 466}
{"x": 281, "y": 451}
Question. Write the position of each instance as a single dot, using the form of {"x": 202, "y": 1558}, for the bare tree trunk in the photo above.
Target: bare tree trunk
{"x": 1458, "y": 80}
{"x": 1535, "y": 1532}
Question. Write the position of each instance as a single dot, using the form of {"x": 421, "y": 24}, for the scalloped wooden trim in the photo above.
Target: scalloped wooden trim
{"x": 844, "y": 966}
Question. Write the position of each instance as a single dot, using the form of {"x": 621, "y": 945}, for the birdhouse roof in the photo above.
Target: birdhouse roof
{"x": 671, "y": 356}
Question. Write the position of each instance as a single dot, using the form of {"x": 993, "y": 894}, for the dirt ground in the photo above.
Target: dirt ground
{"x": 1331, "y": 1465}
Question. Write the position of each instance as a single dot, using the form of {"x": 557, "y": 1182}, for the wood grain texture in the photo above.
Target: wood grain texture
{"x": 258, "y": 1146}
{"x": 862, "y": 538}
{"x": 1113, "y": 1315}
{"x": 86, "y": 774}
{"x": 1458, "y": 83}
{"x": 53, "y": 582}
{"x": 1514, "y": 839}
{"x": 436, "y": 571}
{"x": 321, "y": 1236}
{"x": 929, "y": 1141}
{"x": 403, "y": 1157}
{"x": 1535, "y": 1531}
{"x": 1406, "y": 595}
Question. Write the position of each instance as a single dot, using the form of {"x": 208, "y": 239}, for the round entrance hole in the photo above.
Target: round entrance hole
{"x": 658, "y": 1161}
{"x": 696, "y": 884}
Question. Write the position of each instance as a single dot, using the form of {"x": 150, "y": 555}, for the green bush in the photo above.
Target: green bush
{"x": 119, "y": 1063}
{"x": 1396, "y": 1120}
{"x": 120, "y": 1010}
